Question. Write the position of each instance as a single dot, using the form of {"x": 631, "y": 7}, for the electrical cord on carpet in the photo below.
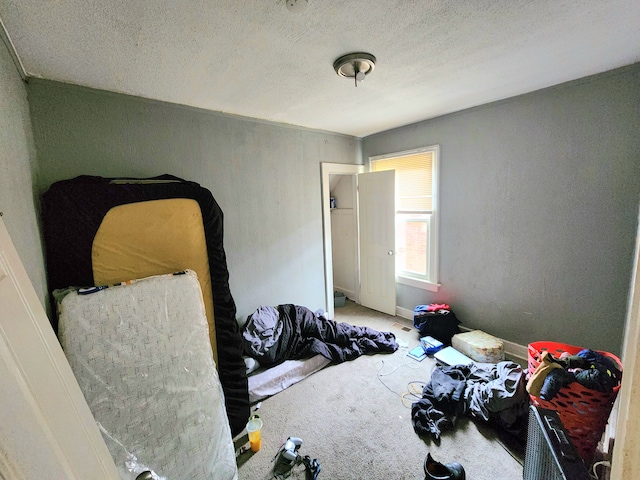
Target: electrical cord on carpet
{"x": 413, "y": 393}
{"x": 602, "y": 463}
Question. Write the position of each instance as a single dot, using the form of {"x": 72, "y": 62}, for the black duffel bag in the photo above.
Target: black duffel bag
{"x": 439, "y": 323}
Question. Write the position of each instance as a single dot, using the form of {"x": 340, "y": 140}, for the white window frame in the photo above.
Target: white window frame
{"x": 430, "y": 280}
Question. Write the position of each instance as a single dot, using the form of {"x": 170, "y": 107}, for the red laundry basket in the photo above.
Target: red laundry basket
{"x": 584, "y": 412}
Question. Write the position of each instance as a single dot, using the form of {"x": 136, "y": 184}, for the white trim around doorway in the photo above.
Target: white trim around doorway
{"x": 326, "y": 170}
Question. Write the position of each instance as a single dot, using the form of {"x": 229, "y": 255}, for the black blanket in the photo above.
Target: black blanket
{"x": 288, "y": 332}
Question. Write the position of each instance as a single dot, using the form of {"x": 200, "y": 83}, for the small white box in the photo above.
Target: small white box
{"x": 479, "y": 346}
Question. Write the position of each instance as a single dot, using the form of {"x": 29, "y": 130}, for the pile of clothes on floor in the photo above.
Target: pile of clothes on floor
{"x": 590, "y": 369}
{"x": 275, "y": 334}
{"x": 491, "y": 392}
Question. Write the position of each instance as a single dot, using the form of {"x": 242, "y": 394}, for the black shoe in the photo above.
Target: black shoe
{"x": 437, "y": 471}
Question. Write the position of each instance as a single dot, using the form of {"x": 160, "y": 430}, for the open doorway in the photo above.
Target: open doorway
{"x": 341, "y": 179}
{"x": 365, "y": 233}
{"x": 344, "y": 234}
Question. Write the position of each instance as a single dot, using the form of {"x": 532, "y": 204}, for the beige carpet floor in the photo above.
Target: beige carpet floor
{"x": 354, "y": 420}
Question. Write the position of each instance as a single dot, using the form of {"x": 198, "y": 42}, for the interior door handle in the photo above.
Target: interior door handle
{"x": 390, "y": 252}
{"x": 145, "y": 476}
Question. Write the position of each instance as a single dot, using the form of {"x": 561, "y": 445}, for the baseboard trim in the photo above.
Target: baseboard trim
{"x": 404, "y": 313}
{"x": 517, "y": 350}
{"x": 510, "y": 348}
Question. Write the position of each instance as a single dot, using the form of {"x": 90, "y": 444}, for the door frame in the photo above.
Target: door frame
{"x": 625, "y": 462}
{"x": 44, "y": 392}
{"x": 326, "y": 170}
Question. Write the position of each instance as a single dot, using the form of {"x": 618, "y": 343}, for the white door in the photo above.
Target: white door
{"x": 376, "y": 197}
{"x": 47, "y": 430}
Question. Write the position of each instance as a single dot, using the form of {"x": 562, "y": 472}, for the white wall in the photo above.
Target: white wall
{"x": 265, "y": 177}
{"x": 17, "y": 157}
{"x": 539, "y": 201}
{"x": 344, "y": 235}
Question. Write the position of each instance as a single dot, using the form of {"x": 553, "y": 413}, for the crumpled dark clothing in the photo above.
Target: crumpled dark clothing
{"x": 573, "y": 361}
{"x": 486, "y": 391}
{"x": 441, "y": 402}
{"x": 595, "y": 358}
{"x": 554, "y": 381}
{"x": 272, "y": 335}
{"x": 597, "y": 378}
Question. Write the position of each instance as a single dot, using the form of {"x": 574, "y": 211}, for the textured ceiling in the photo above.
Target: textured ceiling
{"x": 258, "y": 59}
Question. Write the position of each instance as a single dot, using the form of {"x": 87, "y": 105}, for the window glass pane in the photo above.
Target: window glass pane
{"x": 412, "y": 233}
{"x": 416, "y": 218}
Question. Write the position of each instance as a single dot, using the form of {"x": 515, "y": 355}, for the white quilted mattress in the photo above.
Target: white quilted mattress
{"x": 142, "y": 357}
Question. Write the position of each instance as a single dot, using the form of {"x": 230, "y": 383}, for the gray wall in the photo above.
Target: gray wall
{"x": 17, "y": 157}
{"x": 265, "y": 176}
{"x": 539, "y": 195}
{"x": 539, "y": 206}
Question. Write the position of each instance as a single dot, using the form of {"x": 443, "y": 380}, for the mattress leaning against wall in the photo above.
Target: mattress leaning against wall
{"x": 78, "y": 215}
{"x": 143, "y": 361}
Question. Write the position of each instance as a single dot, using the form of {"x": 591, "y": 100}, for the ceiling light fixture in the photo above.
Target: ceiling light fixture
{"x": 355, "y": 65}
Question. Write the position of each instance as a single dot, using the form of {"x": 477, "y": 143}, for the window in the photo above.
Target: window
{"x": 416, "y": 214}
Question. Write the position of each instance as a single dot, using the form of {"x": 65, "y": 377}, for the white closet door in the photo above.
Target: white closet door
{"x": 376, "y": 198}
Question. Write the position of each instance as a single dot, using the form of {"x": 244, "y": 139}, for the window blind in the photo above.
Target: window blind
{"x": 414, "y": 185}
